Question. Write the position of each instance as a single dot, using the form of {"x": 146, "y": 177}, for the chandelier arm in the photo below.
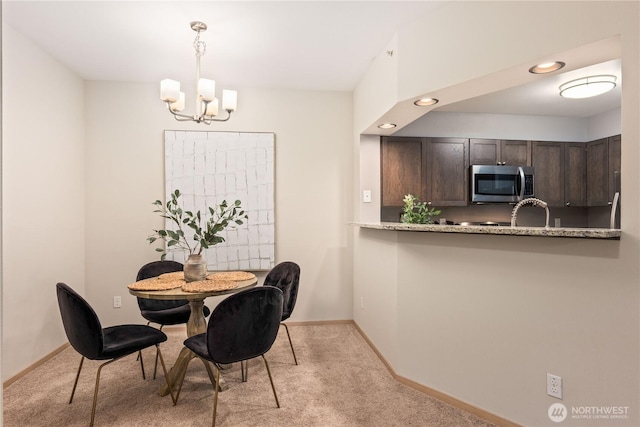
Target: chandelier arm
{"x": 216, "y": 119}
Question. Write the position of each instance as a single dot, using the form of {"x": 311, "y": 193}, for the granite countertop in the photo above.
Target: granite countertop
{"x": 581, "y": 233}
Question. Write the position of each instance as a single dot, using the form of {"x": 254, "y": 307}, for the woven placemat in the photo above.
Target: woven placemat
{"x": 172, "y": 276}
{"x": 231, "y": 275}
{"x": 209, "y": 285}
{"x": 156, "y": 285}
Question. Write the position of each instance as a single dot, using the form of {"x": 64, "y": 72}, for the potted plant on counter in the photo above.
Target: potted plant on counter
{"x": 195, "y": 232}
{"x": 416, "y": 212}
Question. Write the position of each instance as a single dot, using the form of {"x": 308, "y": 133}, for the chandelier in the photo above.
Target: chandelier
{"x": 206, "y": 103}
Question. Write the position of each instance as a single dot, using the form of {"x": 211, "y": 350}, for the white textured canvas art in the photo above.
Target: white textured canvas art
{"x": 209, "y": 167}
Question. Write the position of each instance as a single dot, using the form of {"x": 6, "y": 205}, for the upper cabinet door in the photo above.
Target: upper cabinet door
{"x": 402, "y": 169}
{"x": 447, "y": 171}
{"x": 614, "y": 164}
{"x": 484, "y": 151}
{"x": 515, "y": 153}
{"x": 575, "y": 174}
{"x": 548, "y": 160}
{"x": 598, "y": 172}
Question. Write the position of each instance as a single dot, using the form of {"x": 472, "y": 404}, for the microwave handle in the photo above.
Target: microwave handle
{"x": 522, "y": 182}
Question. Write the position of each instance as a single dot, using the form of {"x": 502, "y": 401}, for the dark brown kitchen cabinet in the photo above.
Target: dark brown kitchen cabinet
{"x": 614, "y": 164}
{"x": 603, "y": 170}
{"x": 598, "y": 172}
{"x": 548, "y": 160}
{"x": 402, "y": 166}
{"x": 434, "y": 169}
{"x": 575, "y": 174}
{"x": 447, "y": 171}
{"x": 499, "y": 152}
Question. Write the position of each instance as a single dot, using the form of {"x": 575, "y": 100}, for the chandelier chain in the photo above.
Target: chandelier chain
{"x": 199, "y": 46}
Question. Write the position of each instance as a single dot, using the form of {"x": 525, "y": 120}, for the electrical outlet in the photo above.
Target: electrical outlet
{"x": 117, "y": 302}
{"x": 554, "y": 386}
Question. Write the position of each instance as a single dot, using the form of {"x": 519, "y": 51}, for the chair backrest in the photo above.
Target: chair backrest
{"x": 244, "y": 325}
{"x": 154, "y": 269}
{"x": 286, "y": 277}
{"x": 81, "y": 323}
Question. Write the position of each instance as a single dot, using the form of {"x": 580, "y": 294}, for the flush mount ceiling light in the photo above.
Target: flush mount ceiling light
{"x": 425, "y": 102}
{"x": 546, "y": 67}
{"x": 206, "y": 103}
{"x": 387, "y": 125}
{"x": 588, "y": 86}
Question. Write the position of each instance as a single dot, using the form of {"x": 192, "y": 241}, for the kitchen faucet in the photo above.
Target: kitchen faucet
{"x": 530, "y": 201}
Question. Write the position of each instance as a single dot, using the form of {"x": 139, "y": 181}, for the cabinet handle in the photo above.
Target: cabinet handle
{"x": 429, "y": 203}
{"x": 609, "y": 203}
{"x": 568, "y": 204}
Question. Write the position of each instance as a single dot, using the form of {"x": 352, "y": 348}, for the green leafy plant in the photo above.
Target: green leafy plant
{"x": 205, "y": 230}
{"x": 416, "y": 212}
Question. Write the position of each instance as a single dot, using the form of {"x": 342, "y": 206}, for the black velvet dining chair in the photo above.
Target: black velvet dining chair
{"x": 286, "y": 277}
{"x": 163, "y": 312}
{"x": 241, "y": 327}
{"x": 93, "y": 342}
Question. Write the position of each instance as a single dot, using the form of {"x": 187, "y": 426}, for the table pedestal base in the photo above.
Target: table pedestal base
{"x": 180, "y": 367}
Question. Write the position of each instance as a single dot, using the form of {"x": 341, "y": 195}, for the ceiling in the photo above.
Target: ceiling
{"x": 309, "y": 45}
{"x": 542, "y": 96}
{"x": 316, "y": 45}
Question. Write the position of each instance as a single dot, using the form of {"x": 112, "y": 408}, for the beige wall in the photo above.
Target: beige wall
{"x": 485, "y": 318}
{"x": 43, "y": 197}
{"x": 125, "y": 160}
{"x": 78, "y": 208}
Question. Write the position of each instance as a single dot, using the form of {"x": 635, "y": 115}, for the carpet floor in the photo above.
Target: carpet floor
{"x": 339, "y": 382}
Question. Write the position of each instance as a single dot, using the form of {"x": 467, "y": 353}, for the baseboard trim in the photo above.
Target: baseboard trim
{"x": 435, "y": 393}
{"x": 30, "y": 368}
{"x": 321, "y": 322}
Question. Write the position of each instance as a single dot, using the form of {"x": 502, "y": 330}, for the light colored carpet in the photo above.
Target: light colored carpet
{"x": 339, "y": 382}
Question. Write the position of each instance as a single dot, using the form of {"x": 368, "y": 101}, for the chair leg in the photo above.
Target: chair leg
{"x": 212, "y": 377}
{"x": 290, "y": 343}
{"x": 95, "y": 392}
{"x": 271, "y": 380}
{"x": 144, "y": 377}
{"x": 75, "y": 383}
{"x": 244, "y": 370}
{"x": 166, "y": 375}
{"x": 215, "y": 397}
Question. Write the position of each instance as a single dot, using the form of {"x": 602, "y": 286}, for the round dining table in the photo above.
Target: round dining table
{"x": 197, "y": 324}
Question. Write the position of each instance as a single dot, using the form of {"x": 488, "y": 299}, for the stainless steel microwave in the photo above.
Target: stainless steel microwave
{"x": 501, "y": 184}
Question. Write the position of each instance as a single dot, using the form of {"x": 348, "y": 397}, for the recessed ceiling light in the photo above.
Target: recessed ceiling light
{"x": 387, "y": 125}
{"x": 587, "y": 87}
{"x": 424, "y": 102}
{"x": 546, "y": 67}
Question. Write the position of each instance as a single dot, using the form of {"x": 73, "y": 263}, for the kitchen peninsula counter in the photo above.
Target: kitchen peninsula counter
{"x": 580, "y": 233}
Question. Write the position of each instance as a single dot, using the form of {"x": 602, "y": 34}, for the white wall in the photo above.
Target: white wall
{"x": 43, "y": 198}
{"x": 125, "y": 160}
{"x": 485, "y": 318}
{"x": 514, "y": 126}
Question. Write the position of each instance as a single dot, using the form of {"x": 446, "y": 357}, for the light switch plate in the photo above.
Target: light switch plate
{"x": 366, "y": 196}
